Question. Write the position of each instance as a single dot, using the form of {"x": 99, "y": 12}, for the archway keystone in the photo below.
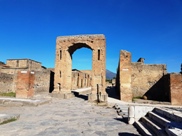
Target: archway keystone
{"x": 65, "y": 47}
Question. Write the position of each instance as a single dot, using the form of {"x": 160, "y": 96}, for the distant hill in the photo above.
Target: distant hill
{"x": 109, "y": 74}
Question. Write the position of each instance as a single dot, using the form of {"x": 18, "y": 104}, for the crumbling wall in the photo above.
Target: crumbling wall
{"x": 34, "y": 65}
{"x": 24, "y": 64}
{"x": 145, "y": 76}
{"x": 1, "y": 65}
{"x": 42, "y": 81}
{"x": 136, "y": 79}
{"x": 160, "y": 91}
{"x": 6, "y": 83}
{"x": 13, "y": 63}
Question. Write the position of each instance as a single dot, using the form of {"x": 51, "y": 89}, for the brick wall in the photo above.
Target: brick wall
{"x": 176, "y": 89}
{"x": 25, "y": 84}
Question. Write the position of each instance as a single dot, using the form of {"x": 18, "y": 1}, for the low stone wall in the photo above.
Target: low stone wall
{"x": 136, "y": 79}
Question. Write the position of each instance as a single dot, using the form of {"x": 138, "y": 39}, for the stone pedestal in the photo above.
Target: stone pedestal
{"x": 98, "y": 99}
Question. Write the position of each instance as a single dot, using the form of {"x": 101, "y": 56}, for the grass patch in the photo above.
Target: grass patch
{"x": 137, "y": 97}
{"x": 8, "y": 94}
{"x": 8, "y": 121}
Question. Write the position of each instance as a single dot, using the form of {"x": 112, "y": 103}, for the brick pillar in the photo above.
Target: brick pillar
{"x": 125, "y": 76}
{"x": 25, "y": 84}
{"x": 175, "y": 89}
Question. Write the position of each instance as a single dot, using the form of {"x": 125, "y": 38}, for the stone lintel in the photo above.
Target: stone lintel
{"x": 81, "y": 37}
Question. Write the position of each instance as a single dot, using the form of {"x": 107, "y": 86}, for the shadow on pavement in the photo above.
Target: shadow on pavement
{"x": 124, "y": 119}
{"x": 85, "y": 97}
{"x": 112, "y": 92}
{"x": 127, "y": 134}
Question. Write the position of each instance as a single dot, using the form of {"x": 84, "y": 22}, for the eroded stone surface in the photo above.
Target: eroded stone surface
{"x": 65, "y": 47}
{"x": 68, "y": 117}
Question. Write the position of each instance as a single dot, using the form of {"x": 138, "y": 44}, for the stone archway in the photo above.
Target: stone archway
{"x": 65, "y": 47}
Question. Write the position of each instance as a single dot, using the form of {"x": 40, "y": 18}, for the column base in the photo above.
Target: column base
{"x": 99, "y": 100}
{"x": 62, "y": 95}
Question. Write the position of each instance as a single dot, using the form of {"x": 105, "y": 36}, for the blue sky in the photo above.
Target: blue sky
{"x": 151, "y": 29}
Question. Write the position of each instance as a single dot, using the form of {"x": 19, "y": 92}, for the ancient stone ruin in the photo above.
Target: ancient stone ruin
{"x": 150, "y": 81}
{"x": 65, "y": 47}
{"x": 134, "y": 79}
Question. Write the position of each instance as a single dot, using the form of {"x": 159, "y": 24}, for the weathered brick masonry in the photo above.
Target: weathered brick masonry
{"x": 135, "y": 79}
{"x": 175, "y": 89}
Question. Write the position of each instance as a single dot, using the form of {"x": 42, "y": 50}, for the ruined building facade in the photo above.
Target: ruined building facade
{"x": 27, "y": 78}
{"x": 9, "y": 76}
{"x": 150, "y": 81}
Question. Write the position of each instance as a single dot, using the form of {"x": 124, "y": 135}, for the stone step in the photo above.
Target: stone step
{"x": 154, "y": 127}
{"x": 169, "y": 114}
{"x": 160, "y": 122}
{"x": 142, "y": 128}
{"x": 174, "y": 126}
{"x": 158, "y": 119}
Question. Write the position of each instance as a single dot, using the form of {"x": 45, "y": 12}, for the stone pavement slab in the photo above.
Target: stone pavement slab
{"x": 22, "y": 102}
{"x": 66, "y": 117}
{"x": 5, "y": 118}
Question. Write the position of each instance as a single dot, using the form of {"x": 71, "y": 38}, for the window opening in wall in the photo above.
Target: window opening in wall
{"x": 99, "y": 54}
{"x": 60, "y": 73}
{"x": 17, "y": 63}
{"x": 78, "y": 80}
{"x": 60, "y": 54}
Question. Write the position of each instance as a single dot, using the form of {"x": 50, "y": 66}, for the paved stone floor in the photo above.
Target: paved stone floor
{"x": 66, "y": 117}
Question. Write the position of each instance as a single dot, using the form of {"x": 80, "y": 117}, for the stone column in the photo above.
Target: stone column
{"x": 98, "y": 73}
{"x": 125, "y": 76}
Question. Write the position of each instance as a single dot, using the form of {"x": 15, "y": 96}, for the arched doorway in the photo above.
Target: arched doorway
{"x": 65, "y": 47}
{"x": 81, "y": 70}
